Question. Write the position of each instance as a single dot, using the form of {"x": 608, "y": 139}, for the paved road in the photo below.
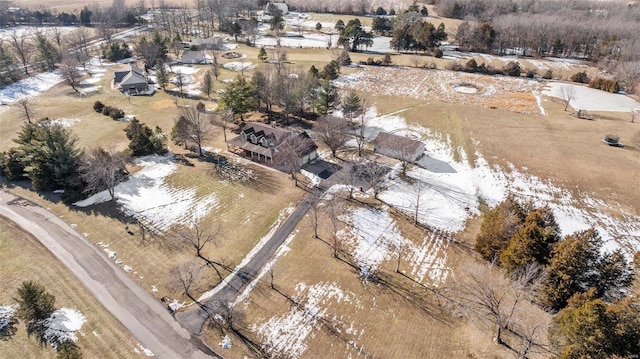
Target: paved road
{"x": 232, "y": 286}
{"x": 142, "y": 314}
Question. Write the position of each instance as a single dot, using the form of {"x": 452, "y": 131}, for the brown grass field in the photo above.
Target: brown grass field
{"x": 22, "y": 258}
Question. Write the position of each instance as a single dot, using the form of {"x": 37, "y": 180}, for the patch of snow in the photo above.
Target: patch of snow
{"x": 65, "y": 122}
{"x": 90, "y": 81}
{"x": 145, "y": 351}
{"x": 127, "y": 268}
{"x": 175, "y": 305}
{"x": 146, "y": 196}
{"x": 465, "y": 89}
{"x": 62, "y": 325}
{"x": 586, "y": 98}
{"x": 119, "y": 261}
{"x": 374, "y": 237}
{"x": 29, "y": 87}
{"x": 6, "y": 314}
{"x": 185, "y": 70}
{"x": 226, "y": 342}
{"x": 89, "y": 90}
{"x": 110, "y": 253}
{"x": 539, "y": 102}
{"x": 286, "y": 335}
{"x": 154, "y": 289}
{"x": 314, "y": 180}
{"x": 238, "y": 65}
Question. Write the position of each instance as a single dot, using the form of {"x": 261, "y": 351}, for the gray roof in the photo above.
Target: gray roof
{"x": 134, "y": 78}
{"x": 192, "y": 55}
{"x": 397, "y": 143}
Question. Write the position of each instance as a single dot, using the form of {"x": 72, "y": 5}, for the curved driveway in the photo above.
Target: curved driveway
{"x": 142, "y": 314}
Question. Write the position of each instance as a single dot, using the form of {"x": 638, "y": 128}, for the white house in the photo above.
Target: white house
{"x": 284, "y": 8}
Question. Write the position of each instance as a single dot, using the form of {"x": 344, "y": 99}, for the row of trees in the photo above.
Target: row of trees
{"x": 34, "y": 307}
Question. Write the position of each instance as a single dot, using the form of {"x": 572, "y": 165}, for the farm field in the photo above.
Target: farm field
{"x": 390, "y": 290}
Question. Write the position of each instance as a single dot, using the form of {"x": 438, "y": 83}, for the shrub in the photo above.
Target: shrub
{"x": 548, "y": 74}
{"x": 343, "y": 58}
{"x": 512, "y": 69}
{"x": 98, "y": 106}
{"x": 471, "y": 66}
{"x": 370, "y": 61}
{"x": 386, "y": 60}
{"x": 605, "y": 85}
{"x": 114, "y": 113}
{"x": 531, "y": 73}
{"x": 437, "y": 53}
{"x": 580, "y": 77}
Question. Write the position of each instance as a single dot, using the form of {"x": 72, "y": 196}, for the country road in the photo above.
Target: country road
{"x": 142, "y": 314}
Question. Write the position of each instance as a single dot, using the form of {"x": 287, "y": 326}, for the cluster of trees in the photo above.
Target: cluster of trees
{"x": 47, "y": 154}
{"x": 409, "y": 31}
{"x": 600, "y": 31}
{"x": 605, "y": 85}
{"x": 575, "y": 276}
{"x": 352, "y": 35}
{"x": 292, "y": 90}
{"x": 117, "y": 15}
{"x": 35, "y": 306}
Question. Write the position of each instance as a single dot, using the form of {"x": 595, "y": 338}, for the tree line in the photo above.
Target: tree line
{"x": 585, "y": 285}
{"x": 604, "y": 32}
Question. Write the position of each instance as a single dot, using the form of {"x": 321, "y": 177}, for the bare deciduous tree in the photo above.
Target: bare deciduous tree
{"x": 207, "y": 84}
{"x": 335, "y": 209}
{"x": 313, "y": 217}
{"x": 183, "y": 277}
{"x": 361, "y": 135}
{"x": 291, "y": 151}
{"x": 333, "y": 131}
{"x": 26, "y": 107}
{"x": 78, "y": 43}
{"x": 199, "y": 125}
{"x": 103, "y": 169}
{"x": 22, "y": 47}
{"x": 198, "y": 237}
{"x": 485, "y": 294}
{"x": 567, "y": 93}
{"x": 70, "y": 73}
{"x": 180, "y": 81}
{"x": 375, "y": 173}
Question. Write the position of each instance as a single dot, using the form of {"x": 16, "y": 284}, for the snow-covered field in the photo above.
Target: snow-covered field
{"x": 6, "y": 315}
{"x": 29, "y": 87}
{"x": 147, "y": 196}
{"x": 586, "y": 98}
{"x": 449, "y": 198}
{"x": 509, "y": 93}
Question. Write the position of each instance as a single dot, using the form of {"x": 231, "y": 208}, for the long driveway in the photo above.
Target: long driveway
{"x": 142, "y": 314}
{"x": 232, "y": 285}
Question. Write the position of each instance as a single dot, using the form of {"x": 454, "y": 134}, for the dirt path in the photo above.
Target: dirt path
{"x": 137, "y": 310}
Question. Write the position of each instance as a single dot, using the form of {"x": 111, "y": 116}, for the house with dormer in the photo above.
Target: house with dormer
{"x": 262, "y": 143}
